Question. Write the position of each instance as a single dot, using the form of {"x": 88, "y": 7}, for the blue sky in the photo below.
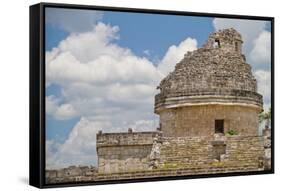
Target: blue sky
{"x": 163, "y": 30}
{"x": 102, "y": 69}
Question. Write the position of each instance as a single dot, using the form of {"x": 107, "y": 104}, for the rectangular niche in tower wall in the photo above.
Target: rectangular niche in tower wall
{"x": 219, "y": 126}
{"x": 217, "y": 43}
{"x": 236, "y": 46}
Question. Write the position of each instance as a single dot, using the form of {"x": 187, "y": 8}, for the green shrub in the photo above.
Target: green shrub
{"x": 232, "y": 132}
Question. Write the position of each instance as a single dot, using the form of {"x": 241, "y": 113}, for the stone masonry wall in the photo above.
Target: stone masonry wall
{"x": 71, "y": 174}
{"x": 200, "y": 120}
{"x": 195, "y": 155}
{"x": 119, "y": 152}
{"x": 182, "y": 156}
{"x": 240, "y": 152}
{"x": 267, "y": 147}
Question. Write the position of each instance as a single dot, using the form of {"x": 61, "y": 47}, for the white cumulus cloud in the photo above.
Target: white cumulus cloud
{"x": 79, "y": 148}
{"x": 261, "y": 52}
{"x": 59, "y": 111}
{"x": 264, "y": 85}
{"x": 51, "y": 104}
{"x": 91, "y": 58}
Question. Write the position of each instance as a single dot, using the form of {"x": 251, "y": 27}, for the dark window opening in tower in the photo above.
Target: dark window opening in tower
{"x": 217, "y": 44}
{"x": 219, "y": 126}
{"x": 236, "y": 46}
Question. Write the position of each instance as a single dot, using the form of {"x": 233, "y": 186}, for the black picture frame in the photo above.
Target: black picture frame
{"x": 37, "y": 92}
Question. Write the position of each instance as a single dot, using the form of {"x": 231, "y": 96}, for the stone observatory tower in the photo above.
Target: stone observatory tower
{"x": 211, "y": 91}
{"x": 208, "y": 108}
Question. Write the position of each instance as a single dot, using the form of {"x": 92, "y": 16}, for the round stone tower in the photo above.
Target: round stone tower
{"x": 211, "y": 91}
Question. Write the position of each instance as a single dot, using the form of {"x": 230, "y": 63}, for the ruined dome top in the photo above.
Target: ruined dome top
{"x": 227, "y": 37}
{"x": 217, "y": 70}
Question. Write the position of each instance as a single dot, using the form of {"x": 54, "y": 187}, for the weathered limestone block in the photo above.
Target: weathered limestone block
{"x": 155, "y": 152}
